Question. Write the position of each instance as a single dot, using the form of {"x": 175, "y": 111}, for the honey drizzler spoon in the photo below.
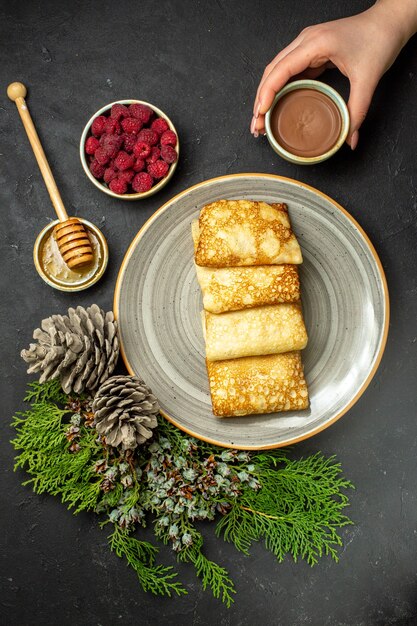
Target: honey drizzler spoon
{"x": 70, "y": 234}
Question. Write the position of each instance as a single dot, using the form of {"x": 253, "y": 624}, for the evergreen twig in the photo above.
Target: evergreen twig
{"x": 140, "y": 555}
{"x": 294, "y": 506}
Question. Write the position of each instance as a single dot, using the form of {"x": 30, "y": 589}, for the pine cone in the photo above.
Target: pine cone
{"x": 81, "y": 349}
{"x": 125, "y": 412}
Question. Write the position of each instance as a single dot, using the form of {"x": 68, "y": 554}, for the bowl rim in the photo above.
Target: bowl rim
{"x": 103, "y": 188}
{"x": 322, "y": 88}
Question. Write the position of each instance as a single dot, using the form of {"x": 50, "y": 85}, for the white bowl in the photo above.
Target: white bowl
{"x": 102, "y": 186}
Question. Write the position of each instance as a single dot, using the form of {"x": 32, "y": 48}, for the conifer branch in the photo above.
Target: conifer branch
{"x": 294, "y": 506}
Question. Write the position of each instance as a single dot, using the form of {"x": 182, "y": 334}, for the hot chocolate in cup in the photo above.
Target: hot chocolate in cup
{"x": 307, "y": 122}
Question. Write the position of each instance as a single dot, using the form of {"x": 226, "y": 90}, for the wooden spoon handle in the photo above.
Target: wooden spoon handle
{"x": 17, "y": 93}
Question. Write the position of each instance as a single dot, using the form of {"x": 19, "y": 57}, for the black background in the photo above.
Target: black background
{"x": 200, "y": 62}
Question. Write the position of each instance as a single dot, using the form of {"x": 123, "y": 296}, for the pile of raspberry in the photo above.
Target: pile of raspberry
{"x": 131, "y": 149}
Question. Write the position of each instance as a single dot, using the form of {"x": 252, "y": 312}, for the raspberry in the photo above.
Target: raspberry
{"x": 141, "y": 112}
{"x": 109, "y": 174}
{"x": 118, "y": 185}
{"x": 101, "y": 156}
{"x": 129, "y": 141}
{"x": 124, "y": 161}
{"x": 142, "y": 150}
{"x": 169, "y": 154}
{"x": 97, "y": 169}
{"x": 169, "y": 138}
{"x": 111, "y": 144}
{"x": 127, "y": 175}
{"x": 142, "y": 182}
{"x": 158, "y": 169}
{"x": 112, "y": 126}
{"x": 159, "y": 125}
{"x": 118, "y": 111}
{"x": 98, "y": 125}
{"x": 154, "y": 156}
{"x": 91, "y": 145}
{"x": 149, "y": 136}
{"x": 131, "y": 125}
{"x": 139, "y": 165}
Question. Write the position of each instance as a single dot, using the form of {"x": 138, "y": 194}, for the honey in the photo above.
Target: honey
{"x": 57, "y": 273}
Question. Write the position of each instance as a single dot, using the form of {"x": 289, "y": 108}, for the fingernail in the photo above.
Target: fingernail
{"x": 354, "y": 140}
{"x": 252, "y": 125}
{"x": 258, "y": 107}
{"x": 256, "y": 134}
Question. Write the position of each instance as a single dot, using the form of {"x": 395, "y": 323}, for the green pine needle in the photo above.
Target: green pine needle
{"x": 140, "y": 555}
{"x": 212, "y": 575}
{"x": 50, "y": 391}
{"x": 44, "y": 451}
{"x": 297, "y": 511}
{"x": 294, "y": 506}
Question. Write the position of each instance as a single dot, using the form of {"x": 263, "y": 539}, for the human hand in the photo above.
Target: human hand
{"x": 362, "y": 47}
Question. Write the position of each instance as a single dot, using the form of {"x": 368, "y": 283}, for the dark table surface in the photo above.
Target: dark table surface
{"x": 201, "y": 63}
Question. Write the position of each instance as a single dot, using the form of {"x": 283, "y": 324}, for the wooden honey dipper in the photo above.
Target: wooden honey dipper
{"x": 70, "y": 234}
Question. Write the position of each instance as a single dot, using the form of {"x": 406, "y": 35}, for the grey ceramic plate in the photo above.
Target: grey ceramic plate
{"x": 345, "y": 302}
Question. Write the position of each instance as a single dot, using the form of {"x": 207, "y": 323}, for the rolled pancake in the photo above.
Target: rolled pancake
{"x": 243, "y": 232}
{"x": 234, "y": 288}
{"x": 261, "y": 384}
{"x": 254, "y": 332}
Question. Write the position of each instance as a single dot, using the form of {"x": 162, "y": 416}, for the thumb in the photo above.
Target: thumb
{"x": 361, "y": 92}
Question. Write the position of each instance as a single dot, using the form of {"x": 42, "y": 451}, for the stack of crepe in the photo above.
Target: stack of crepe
{"x": 246, "y": 259}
